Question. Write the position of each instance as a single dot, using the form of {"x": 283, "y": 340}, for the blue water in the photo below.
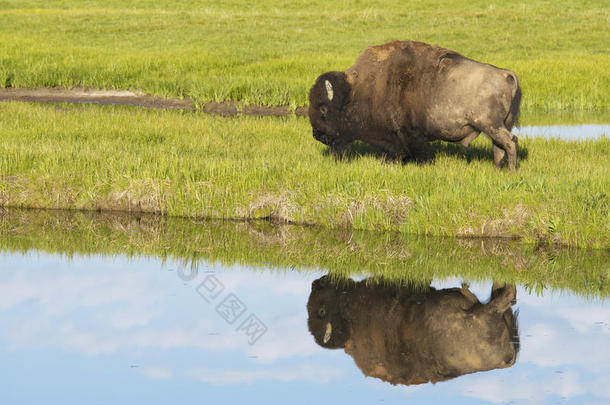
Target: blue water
{"x": 566, "y": 132}
{"x": 100, "y": 330}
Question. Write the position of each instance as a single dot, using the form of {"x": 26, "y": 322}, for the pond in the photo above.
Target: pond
{"x": 567, "y": 125}
{"x": 565, "y": 132}
{"x": 99, "y": 308}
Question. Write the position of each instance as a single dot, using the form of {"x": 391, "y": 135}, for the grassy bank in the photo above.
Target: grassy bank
{"x": 392, "y": 256}
{"x": 194, "y": 165}
{"x": 270, "y": 52}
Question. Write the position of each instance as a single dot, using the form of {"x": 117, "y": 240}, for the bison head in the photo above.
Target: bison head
{"x": 326, "y": 322}
{"x": 327, "y": 98}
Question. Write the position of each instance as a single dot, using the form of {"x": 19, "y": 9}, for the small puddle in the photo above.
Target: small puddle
{"x": 146, "y": 310}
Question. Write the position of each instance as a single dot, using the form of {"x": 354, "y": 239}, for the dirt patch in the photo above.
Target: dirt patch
{"x": 80, "y": 95}
{"x": 124, "y": 97}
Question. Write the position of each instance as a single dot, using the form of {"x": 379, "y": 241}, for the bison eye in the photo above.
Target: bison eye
{"x": 323, "y": 111}
{"x": 322, "y": 312}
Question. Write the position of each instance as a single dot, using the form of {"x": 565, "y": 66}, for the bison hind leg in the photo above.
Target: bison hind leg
{"x": 465, "y": 290}
{"x": 504, "y": 146}
{"x": 467, "y": 140}
{"x": 499, "y": 155}
{"x": 503, "y": 296}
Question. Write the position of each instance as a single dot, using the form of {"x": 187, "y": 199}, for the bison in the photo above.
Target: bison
{"x": 407, "y": 335}
{"x": 401, "y": 95}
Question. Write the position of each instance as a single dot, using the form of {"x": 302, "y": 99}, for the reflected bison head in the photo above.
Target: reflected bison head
{"x": 327, "y": 98}
{"x": 325, "y": 321}
{"x": 412, "y": 336}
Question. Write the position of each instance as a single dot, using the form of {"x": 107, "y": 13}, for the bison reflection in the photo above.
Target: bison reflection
{"x": 409, "y": 336}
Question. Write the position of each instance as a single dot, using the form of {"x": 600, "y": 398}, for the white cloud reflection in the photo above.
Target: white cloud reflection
{"x": 309, "y": 373}
{"x": 157, "y": 373}
{"x": 117, "y": 308}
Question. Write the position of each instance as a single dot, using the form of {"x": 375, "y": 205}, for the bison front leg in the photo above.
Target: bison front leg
{"x": 338, "y": 149}
{"x": 393, "y": 148}
{"x": 414, "y": 145}
{"x": 420, "y": 149}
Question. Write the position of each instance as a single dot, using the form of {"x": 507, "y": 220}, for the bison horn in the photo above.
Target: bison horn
{"x": 329, "y": 90}
{"x": 329, "y": 331}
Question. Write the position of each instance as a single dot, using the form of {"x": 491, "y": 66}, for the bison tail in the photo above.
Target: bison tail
{"x": 512, "y": 119}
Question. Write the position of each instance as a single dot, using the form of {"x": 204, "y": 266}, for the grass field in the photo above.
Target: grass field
{"x": 196, "y": 165}
{"x": 270, "y": 52}
{"x": 391, "y": 257}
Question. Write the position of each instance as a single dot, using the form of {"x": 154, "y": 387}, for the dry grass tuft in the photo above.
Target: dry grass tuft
{"x": 396, "y": 208}
{"x": 509, "y": 225}
{"x": 143, "y": 195}
{"x": 274, "y": 207}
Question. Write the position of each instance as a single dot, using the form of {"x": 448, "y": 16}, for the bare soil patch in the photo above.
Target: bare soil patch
{"x": 124, "y": 97}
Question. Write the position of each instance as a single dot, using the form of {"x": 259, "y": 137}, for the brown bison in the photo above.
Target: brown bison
{"x": 403, "y": 94}
{"x": 406, "y": 335}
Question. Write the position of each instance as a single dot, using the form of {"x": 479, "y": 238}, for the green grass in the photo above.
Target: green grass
{"x": 391, "y": 257}
{"x": 194, "y": 165}
{"x": 270, "y": 52}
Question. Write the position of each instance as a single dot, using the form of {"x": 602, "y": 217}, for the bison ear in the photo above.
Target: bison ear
{"x": 329, "y": 90}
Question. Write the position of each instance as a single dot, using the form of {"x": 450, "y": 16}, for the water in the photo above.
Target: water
{"x": 568, "y": 125}
{"x": 566, "y": 132}
{"x": 112, "y": 329}
{"x": 105, "y": 309}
